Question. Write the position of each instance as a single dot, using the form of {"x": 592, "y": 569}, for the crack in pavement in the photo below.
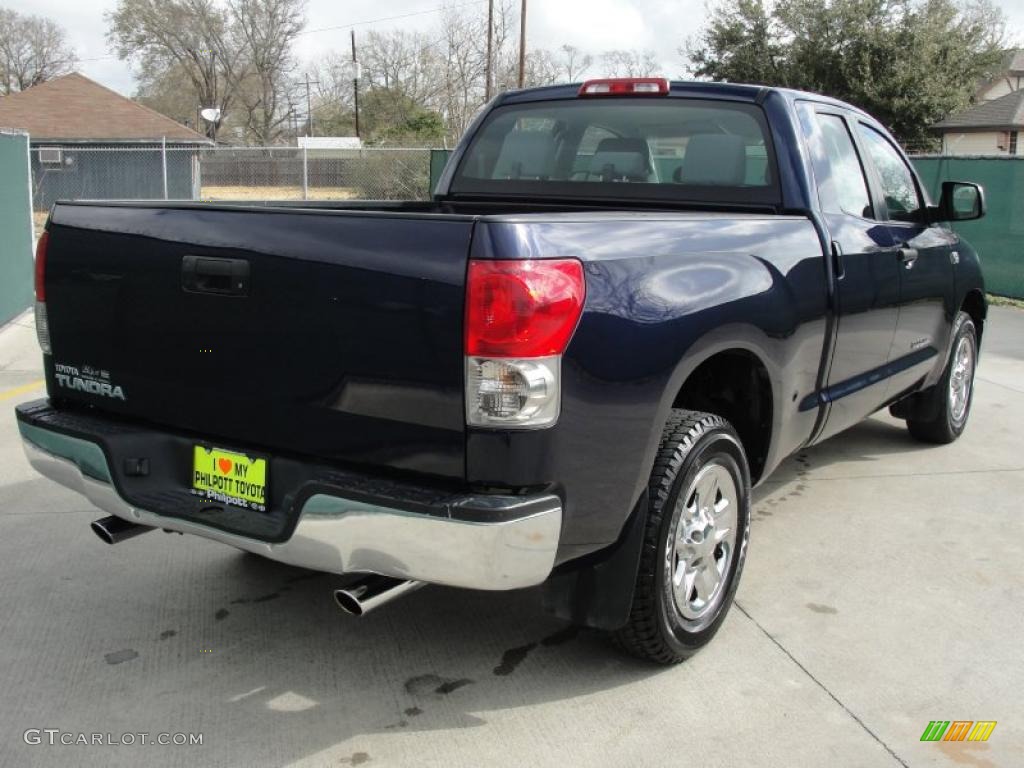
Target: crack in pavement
{"x": 999, "y": 384}
{"x": 821, "y": 685}
{"x": 808, "y": 478}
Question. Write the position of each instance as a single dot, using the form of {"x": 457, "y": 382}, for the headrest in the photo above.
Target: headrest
{"x": 526, "y": 154}
{"x": 714, "y": 158}
{"x": 618, "y": 158}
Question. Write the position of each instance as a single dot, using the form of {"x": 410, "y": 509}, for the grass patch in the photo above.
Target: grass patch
{"x": 276, "y": 193}
{"x": 1005, "y": 301}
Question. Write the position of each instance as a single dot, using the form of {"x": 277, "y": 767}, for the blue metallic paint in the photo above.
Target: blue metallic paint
{"x": 665, "y": 291}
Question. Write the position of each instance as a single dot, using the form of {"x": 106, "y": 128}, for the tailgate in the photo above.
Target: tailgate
{"x": 335, "y": 334}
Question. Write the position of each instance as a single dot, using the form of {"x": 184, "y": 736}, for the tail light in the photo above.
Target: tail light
{"x": 625, "y": 86}
{"x": 520, "y": 316}
{"x": 42, "y": 322}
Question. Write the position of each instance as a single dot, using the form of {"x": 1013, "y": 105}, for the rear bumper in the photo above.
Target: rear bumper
{"x": 477, "y": 541}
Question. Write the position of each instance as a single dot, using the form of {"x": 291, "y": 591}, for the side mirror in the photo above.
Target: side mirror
{"x": 961, "y": 201}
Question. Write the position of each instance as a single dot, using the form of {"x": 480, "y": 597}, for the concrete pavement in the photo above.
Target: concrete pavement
{"x": 883, "y": 590}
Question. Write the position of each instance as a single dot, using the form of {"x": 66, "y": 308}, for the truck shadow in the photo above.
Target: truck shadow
{"x": 255, "y": 654}
{"x": 864, "y": 450}
{"x": 286, "y": 661}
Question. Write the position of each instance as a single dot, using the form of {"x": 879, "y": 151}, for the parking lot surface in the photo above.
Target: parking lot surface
{"x": 883, "y": 590}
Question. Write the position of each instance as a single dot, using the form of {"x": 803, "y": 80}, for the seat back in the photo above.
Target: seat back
{"x": 714, "y": 158}
{"x": 623, "y": 158}
{"x": 526, "y": 154}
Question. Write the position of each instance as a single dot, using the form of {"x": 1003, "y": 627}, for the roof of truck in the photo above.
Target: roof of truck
{"x": 682, "y": 88}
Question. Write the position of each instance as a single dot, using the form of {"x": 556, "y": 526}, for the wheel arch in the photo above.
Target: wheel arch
{"x": 734, "y": 383}
{"x": 974, "y": 304}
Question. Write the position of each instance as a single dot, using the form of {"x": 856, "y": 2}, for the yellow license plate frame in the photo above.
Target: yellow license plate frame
{"x": 230, "y": 477}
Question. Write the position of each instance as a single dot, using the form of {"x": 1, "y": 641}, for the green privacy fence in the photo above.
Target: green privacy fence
{"x": 438, "y": 158}
{"x": 15, "y": 225}
{"x": 999, "y": 237}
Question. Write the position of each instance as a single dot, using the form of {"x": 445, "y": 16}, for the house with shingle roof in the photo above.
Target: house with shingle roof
{"x": 1010, "y": 77}
{"x": 87, "y": 141}
{"x": 995, "y": 124}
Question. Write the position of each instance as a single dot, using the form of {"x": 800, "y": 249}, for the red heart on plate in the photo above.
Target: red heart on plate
{"x": 225, "y": 465}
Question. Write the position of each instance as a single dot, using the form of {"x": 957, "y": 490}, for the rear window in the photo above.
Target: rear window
{"x": 632, "y": 148}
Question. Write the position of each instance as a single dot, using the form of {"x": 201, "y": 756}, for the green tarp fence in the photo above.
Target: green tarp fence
{"x": 438, "y": 158}
{"x": 999, "y": 236}
{"x": 15, "y": 225}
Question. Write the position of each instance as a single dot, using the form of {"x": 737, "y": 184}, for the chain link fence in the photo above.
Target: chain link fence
{"x": 177, "y": 172}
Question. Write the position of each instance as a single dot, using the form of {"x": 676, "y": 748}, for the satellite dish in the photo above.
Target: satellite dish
{"x": 210, "y": 114}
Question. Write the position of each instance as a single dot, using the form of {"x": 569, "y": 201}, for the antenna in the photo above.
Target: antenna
{"x": 210, "y": 114}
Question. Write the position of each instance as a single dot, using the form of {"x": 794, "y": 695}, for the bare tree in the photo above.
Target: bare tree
{"x": 265, "y": 31}
{"x": 575, "y": 62}
{"x": 405, "y": 74}
{"x": 33, "y": 50}
{"x": 542, "y": 68}
{"x": 170, "y": 92}
{"x": 629, "y": 63}
{"x": 405, "y": 61}
{"x": 194, "y": 35}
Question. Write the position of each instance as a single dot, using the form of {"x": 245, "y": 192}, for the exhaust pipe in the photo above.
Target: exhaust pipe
{"x": 113, "y": 529}
{"x": 366, "y": 594}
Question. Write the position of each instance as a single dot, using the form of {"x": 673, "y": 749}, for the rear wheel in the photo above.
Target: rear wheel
{"x": 948, "y": 404}
{"x": 695, "y": 539}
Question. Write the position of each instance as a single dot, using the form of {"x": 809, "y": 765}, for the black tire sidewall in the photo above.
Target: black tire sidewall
{"x": 718, "y": 443}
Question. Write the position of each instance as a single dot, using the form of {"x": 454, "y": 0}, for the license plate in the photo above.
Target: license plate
{"x": 229, "y": 477}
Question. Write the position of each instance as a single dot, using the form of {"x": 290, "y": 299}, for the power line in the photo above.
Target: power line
{"x": 392, "y": 18}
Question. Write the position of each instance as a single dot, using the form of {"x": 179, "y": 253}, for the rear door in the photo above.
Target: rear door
{"x": 923, "y": 253}
{"x": 334, "y": 334}
{"x": 865, "y": 272}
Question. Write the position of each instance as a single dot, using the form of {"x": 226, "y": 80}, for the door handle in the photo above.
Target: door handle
{"x": 837, "y": 261}
{"x": 221, "y": 277}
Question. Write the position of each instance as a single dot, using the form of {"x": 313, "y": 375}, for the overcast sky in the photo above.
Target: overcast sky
{"x": 592, "y": 25}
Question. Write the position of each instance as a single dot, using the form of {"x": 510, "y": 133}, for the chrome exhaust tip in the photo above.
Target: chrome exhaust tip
{"x": 113, "y": 529}
{"x": 371, "y": 592}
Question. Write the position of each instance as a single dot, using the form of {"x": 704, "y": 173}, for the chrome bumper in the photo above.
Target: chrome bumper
{"x": 341, "y": 535}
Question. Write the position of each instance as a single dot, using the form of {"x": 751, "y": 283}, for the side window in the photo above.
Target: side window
{"x": 896, "y": 179}
{"x": 842, "y": 185}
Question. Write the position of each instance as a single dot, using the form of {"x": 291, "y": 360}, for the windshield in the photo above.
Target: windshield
{"x": 631, "y": 148}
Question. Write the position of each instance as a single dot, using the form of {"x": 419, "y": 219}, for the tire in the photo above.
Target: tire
{"x": 946, "y": 407}
{"x": 699, "y": 453}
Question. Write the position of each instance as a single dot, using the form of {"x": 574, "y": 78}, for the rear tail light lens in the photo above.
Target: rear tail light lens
{"x": 625, "y": 86}
{"x": 520, "y": 316}
{"x": 41, "y": 246}
{"x": 512, "y": 392}
{"x": 522, "y": 308}
{"x": 42, "y": 322}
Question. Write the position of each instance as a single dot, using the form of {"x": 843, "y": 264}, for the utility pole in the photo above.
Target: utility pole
{"x": 522, "y": 44}
{"x": 309, "y": 108}
{"x": 490, "y": 45}
{"x": 355, "y": 81}
{"x": 213, "y": 69}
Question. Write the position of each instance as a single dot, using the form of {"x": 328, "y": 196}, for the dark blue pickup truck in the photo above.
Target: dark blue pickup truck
{"x": 626, "y": 304}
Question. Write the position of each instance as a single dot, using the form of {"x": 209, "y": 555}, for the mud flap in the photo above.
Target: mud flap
{"x": 597, "y": 591}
